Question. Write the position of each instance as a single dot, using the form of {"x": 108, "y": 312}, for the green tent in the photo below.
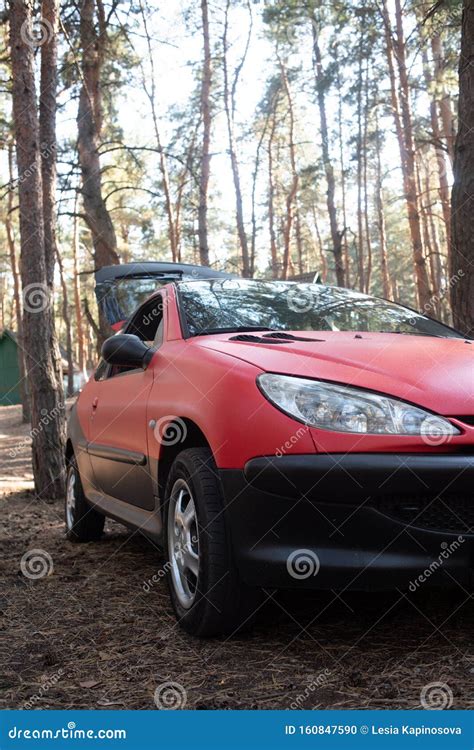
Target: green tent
{"x": 9, "y": 370}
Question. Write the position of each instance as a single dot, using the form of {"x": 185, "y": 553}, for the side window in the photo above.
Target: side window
{"x": 147, "y": 324}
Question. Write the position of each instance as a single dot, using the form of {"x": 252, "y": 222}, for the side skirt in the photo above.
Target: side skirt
{"x": 148, "y": 522}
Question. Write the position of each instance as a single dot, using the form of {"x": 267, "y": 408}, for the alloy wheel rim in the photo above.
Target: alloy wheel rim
{"x": 183, "y": 543}
{"x": 70, "y": 499}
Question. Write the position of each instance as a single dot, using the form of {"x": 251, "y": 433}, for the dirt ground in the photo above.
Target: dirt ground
{"x": 90, "y": 634}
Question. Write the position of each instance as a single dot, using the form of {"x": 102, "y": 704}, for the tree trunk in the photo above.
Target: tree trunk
{"x": 253, "y": 243}
{"x": 441, "y": 158}
{"x": 429, "y": 234}
{"x": 48, "y": 150}
{"x": 345, "y": 246}
{"x": 47, "y": 131}
{"x": 23, "y": 384}
{"x": 462, "y": 255}
{"x": 403, "y": 122}
{"x": 444, "y": 101}
{"x": 47, "y": 408}
{"x": 229, "y": 107}
{"x": 336, "y": 234}
{"x": 360, "y": 157}
{"x": 206, "y": 138}
{"x": 386, "y": 282}
{"x": 67, "y": 324}
{"x": 320, "y": 246}
{"x": 271, "y": 199}
{"x": 368, "y": 239}
{"x": 89, "y": 124}
{"x": 81, "y": 347}
{"x": 291, "y": 197}
{"x": 424, "y": 208}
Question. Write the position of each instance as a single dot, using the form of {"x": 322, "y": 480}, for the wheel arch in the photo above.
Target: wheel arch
{"x": 190, "y": 436}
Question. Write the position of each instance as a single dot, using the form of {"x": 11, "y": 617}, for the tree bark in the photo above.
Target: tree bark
{"x": 360, "y": 159}
{"x": 345, "y": 246}
{"x": 48, "y": 149}
{"x": 444, "y": 101}
{"x": 336, "y": 233}
{"x": 462, "y": 254}
{"x": 368, "y": 239}
{"x": 229, "y": 107}
{"x": 293, "y": 191}
{"x": 81, "y": 347}
{"x": 379, "y": 201}
{"x": 23, "y": 384}
{"x": 47, "y": 408}
{"x": 47, "y": 131}
{"x": 89, "y": 122}
{"x": 404, "y": 127}
{"x": 441, "y": 159}
{"x": 89, "y": 125}
{"x": 271, "y": 198}
{"x": 206, "y": 138}
{"x": 67, "y": 325}
{"x": 253, "y": 242}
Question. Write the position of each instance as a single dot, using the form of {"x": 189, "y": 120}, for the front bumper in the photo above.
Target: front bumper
{"x": 365, "y": 521}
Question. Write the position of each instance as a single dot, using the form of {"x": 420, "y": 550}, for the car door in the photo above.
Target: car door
{"x": 118, "y": 420}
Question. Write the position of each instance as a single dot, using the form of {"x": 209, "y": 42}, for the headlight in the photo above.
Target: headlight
{"x": 344, "y": 409}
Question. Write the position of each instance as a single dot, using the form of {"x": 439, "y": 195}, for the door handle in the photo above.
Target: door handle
{"x": 95, "y": 403}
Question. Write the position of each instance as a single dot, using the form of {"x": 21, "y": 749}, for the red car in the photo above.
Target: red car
{"x": 274, "y": 435}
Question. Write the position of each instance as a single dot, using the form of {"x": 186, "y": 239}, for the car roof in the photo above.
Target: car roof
{"x": 151, "y": 268}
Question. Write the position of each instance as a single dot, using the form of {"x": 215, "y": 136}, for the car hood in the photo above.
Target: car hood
{"x": 436, "y": 373}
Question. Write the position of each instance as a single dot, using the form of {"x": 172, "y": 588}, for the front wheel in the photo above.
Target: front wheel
{"x": 83, "y": 523}
{"x": 207, "y": 595}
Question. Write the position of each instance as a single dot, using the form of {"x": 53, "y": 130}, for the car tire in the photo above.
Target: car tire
{"x": 83, "y": 523}
{"x": 214, "y": 602}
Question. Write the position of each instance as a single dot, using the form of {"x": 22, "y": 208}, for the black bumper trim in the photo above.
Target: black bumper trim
{"x": 348, "y": 476}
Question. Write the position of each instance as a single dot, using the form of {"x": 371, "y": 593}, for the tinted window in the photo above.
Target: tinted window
{"x": 210, "y": 306}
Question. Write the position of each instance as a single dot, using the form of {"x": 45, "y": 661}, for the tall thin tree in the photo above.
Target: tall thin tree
{"x": 462, "y": 255}
{"x": 47, "y": 408}
{"x": 205, "y": 164}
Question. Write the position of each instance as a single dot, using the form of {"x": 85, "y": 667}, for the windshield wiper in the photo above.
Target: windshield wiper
{"x": 232, "y": 329}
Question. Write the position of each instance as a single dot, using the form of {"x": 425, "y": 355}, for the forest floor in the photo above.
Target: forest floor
{"x": 88, "y": 635}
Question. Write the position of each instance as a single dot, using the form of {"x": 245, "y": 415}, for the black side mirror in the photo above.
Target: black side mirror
{"x": 126, "y": 350}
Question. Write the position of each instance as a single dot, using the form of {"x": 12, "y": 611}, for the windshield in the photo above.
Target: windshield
{"x": 231, "y": 305}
